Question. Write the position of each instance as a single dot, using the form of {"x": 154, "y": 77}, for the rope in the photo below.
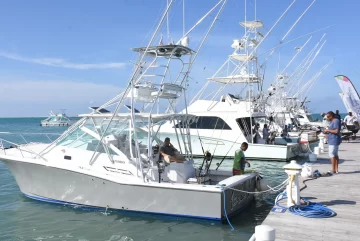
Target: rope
{"x": 278, "y": 187}
{"x": 224, "y": 195}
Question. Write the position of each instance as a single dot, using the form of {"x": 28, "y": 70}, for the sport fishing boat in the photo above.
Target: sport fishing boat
{"x": 227, "y": 120}
{"x": 285, "y": 100}
{"x": 56, "y": 120}
{"x": 110, "y": 159}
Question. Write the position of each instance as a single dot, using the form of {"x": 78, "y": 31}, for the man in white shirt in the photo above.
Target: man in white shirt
{"x": 351, "y": 123}
{"x": 349, "y": 119}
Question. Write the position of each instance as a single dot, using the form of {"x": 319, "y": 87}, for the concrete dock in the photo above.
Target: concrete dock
{"x": 340, "y": 192}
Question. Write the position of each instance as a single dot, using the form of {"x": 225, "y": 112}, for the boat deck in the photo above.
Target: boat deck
{"x": 340, "y": 192}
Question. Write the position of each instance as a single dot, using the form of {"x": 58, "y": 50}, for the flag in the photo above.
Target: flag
{"x": 349, "y": 95}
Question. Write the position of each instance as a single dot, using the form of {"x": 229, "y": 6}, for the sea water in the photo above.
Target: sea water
{"x": 23, "y": 219}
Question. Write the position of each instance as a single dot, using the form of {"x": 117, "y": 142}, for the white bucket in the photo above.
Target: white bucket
{"x": 307, "y": 170}
{"x": 316, "y": 150}
{"x": 312, "y": 157}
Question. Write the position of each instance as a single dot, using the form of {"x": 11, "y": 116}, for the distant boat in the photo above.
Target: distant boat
{"x": 56, "y": 120}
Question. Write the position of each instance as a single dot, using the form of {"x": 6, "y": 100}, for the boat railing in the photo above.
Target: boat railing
{"x": 18, "y": 141}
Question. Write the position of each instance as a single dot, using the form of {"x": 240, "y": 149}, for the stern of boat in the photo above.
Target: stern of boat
{"x": 238, "y": 192}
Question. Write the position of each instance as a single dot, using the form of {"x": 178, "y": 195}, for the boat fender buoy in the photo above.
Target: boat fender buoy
{"x": 262, "y": 185}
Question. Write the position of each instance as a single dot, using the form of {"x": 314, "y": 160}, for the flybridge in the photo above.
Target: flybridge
{"x": 165, "y": 50}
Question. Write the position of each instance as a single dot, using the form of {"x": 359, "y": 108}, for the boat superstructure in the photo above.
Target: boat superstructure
{"x": 110, "y": 159}
{"x": 286, "y": 97}
{"x": 226, "y": 120}
{"x": 56, "y": 119}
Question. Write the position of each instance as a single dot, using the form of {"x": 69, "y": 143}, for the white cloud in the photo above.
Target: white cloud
{"x": 57, "y": 62}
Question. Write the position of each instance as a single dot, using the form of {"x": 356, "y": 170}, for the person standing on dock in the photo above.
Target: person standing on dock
{"x": 239, "y": 160}
{"x": 337, "y": 115}
{"x": 334, "y": 140}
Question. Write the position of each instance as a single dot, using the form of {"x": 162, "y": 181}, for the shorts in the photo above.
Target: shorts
{"x": 237, "y": 172}
{"x": 333, "y": 150}
{"x": 177, "y": 156}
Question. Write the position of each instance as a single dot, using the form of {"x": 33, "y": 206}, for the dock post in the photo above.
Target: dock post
{"x": 321, "y": 141}
{"x": 293, "y": 189}
{"x": 263, "y": 233}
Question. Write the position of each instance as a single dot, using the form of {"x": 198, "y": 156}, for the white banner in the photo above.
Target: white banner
{"x": 349, "y": 95}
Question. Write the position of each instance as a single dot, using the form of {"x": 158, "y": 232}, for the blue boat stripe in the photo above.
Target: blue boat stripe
{"x": 82, "y": 206}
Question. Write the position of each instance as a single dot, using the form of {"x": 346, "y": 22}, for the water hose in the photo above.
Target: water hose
{"x": 313, "y": 210}
{"x": 310, "y": 210}
{"x": 227, "y": 218}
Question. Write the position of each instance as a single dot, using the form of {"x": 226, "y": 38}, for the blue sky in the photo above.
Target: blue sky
{"x": 73, "y": 54}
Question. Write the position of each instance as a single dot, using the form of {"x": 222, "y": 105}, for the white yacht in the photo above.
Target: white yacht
{"x": 226, "y": 121}
{"x": 110, "y": 159}
{"x": 222, "y": 128}
{"x": 56, "y": 120}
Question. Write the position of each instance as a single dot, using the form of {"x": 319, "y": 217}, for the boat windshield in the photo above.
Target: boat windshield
{"x": 117, "y": 136}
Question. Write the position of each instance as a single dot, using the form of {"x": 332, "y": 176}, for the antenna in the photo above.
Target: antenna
{"x": 167, "y": 22}
{"x": 255, "y": 10}
{"x": 245, "y": 16}
{"x": 183, "y": 17}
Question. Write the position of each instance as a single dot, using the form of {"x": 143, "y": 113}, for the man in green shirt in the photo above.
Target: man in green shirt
{"x": 239, "y": 160}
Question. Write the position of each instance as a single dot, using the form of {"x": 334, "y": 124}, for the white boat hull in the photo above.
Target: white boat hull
{"x": 66, "y": 187}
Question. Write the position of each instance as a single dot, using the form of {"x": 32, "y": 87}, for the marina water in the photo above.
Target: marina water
{"x": 23, "y": 219}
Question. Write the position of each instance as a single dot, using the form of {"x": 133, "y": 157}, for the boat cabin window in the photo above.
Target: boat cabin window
{"x": 245, "y": 124}
{"x": 300, "y": 116}
{"x": 310, "y": 118}
{"x": 295, "y": 122}
{"x": 208, "y": 123}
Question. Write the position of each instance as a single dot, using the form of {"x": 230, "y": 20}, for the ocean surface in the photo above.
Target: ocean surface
{"x": 23, "y": 219}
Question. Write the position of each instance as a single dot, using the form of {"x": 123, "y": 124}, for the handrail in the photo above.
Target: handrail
{"x": 21, "y": 135}
{"x": 19, "y": 148}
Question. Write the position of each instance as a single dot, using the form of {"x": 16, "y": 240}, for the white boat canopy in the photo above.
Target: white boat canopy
{"x": 166, "y": 50}
{"x": 236, "y": 79}
{"x": 143, "y": 116}
{"x": 243, "y": 57}
{"x": 252, "y": 24}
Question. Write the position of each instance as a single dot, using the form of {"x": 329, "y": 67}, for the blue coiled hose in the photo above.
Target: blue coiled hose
{"x": 311, "y": 210}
